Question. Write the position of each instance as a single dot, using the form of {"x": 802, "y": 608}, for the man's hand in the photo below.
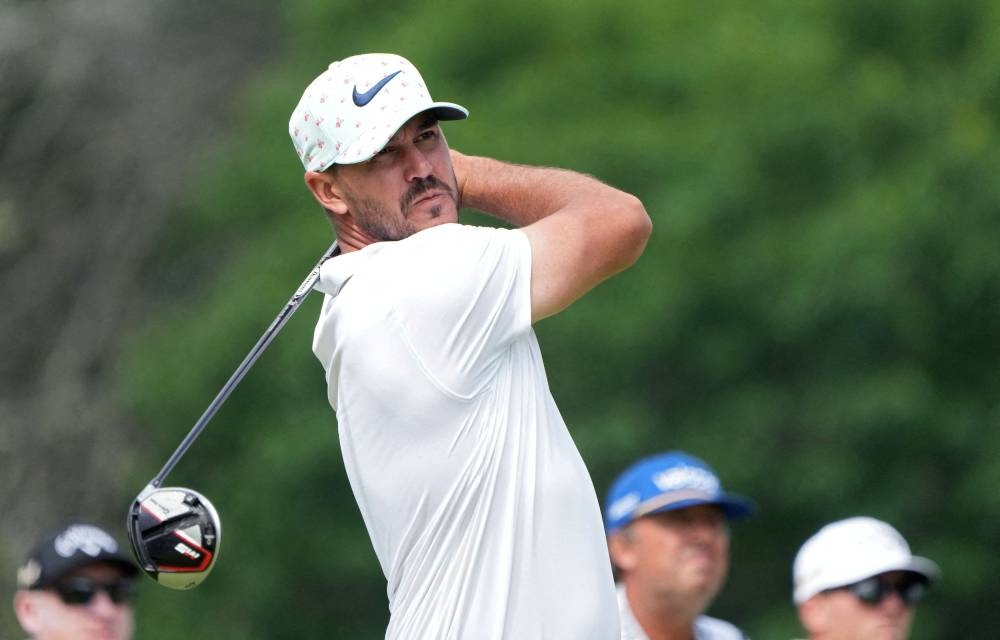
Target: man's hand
{"x": 461, "y": 172}
{"x": 581, "y": 230}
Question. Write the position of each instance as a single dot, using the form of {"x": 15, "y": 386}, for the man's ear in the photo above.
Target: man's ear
{"x": 326, "y": 192}
{"x": 813, "y": 615}
{"x": 26, "y": 610}
{"x": 620, "y": 549}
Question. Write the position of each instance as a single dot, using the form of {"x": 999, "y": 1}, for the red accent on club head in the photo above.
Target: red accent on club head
{"x": 206, "y": 554}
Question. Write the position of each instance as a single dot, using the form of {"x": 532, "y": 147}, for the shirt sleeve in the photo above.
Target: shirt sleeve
{"x": 463, "y": 300}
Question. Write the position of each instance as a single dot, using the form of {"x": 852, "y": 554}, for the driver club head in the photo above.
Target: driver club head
{"x": 175, "y": 535}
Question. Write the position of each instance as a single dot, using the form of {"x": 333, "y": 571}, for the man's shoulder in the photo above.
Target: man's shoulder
{"x": 709, "y": 628}
{"x": 447, "y": 243}
{"x": 449, "y": 250}
{"x": 451, "y": 231}
{"x": 439, "y": 261}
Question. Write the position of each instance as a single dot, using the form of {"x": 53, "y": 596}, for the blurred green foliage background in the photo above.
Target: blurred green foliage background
{"x": 816, "y": 314}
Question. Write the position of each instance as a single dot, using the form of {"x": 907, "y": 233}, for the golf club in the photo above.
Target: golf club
{"x": 175, "y": 532}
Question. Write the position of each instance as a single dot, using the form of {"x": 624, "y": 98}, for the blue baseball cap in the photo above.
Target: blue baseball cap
{"x": 666, "y": 482}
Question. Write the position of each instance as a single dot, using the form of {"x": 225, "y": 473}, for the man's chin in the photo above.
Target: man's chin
{"x": 436, "y": 215}
{"x": 705, "y": 582}
{"x": 893, "y": 631}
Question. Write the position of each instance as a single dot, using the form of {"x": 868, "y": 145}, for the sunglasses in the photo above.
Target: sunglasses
{"x": 874, "y": 590}
{"x": 82, "y": 590}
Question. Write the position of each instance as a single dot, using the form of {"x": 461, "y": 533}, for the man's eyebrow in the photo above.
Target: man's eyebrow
{"x": 427, "y": 121}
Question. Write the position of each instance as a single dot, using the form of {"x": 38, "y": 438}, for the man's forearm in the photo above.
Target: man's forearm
{"x": 519, "y": 194}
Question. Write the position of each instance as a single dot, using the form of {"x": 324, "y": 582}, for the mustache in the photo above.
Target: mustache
{"x": 420, "y": 187}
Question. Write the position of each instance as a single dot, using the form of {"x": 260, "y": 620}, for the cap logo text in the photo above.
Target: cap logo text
{"x": 90, "y": 540}
{"x": 623, "y": 506}
{"x": 687, "y": 478}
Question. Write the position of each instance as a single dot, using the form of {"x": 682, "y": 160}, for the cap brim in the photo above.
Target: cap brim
{"x": 924, "y": 566}
{"x": 127, "y": 567}
{"x": 735, "y": 507}
{"x": 443, "y": 111}
{"x": 447, "y": 111}
{"x": 921, "y": 566}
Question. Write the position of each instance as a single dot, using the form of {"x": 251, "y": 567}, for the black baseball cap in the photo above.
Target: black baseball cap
{"x": 72, "y": 547}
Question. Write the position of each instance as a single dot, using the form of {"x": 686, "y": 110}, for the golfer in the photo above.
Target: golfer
{"x": 480, "y": 509}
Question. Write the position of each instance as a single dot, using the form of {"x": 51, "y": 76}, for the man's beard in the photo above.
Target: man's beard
{"x": 376, "y": 221}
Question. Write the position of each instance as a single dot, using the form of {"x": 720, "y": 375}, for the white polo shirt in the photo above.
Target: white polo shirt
{"x": 480, "y": 509}
{"x": 703, "y": 628}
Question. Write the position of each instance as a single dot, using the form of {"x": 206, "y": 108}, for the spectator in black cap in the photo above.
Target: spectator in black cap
{"x": 76, "y": 584}
{"x": 667, "y": 519}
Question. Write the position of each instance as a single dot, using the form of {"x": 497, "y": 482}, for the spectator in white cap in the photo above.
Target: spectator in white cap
{"x": 667, "y": 520}
{"x": 76, "y": 585}
{"x": 478, "y": 503}
{"x": 856, "y": 579}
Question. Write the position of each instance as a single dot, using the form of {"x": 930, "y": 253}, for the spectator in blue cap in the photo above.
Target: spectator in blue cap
{"x": 667, "y": 520}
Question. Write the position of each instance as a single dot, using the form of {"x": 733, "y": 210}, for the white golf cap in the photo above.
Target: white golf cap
{"x": 851, "y": 550}
{"x": 349, "y": 112}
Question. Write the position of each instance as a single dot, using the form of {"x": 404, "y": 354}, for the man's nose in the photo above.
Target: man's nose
{"x": 417, "y": 165}
{"x": 893, "y": 602}
{"x": 102, "y": 604}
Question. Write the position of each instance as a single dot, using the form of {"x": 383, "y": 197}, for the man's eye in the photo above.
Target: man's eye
{"x": 381, "y": 153}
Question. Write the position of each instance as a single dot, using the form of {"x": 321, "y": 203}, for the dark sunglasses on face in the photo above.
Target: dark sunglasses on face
{"x": 82, "y": 590}
{"x": 874, "y": 590}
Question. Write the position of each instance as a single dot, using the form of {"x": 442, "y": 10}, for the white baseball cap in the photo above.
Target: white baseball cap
{"x": 349, "y": 112}
{"x": 851, "y": 550}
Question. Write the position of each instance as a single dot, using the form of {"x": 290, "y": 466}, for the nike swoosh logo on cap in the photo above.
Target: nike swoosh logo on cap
{"x": 361, "y": 99}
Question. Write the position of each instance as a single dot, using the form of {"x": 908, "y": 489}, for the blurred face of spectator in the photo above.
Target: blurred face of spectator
{"x": 46, "y": 615}
{"x": 840, "y": 614}
{"x": 680, "y": 555}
